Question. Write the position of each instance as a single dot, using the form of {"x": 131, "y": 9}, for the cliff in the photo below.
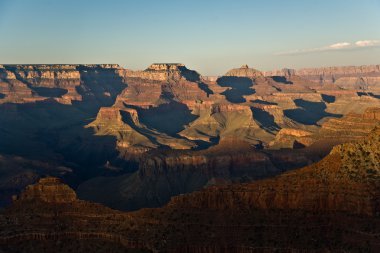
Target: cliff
{"x": 162, "y": 72}
{"x": 332, "y": 205}
{"x": 64, "y": 83}
{"x": 352, "y": 126}
{"x": 346, "y": 180}
{"x": 348, "y": 77}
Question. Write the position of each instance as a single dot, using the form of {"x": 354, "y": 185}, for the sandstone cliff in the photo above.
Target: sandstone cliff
{"x": 359, "y": 77}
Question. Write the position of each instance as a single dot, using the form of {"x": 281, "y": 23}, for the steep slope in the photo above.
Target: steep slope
{"x": 346, "y": 180}
{"x": 330, "y": 206}
{"x": 47, "y": 217}
{"x": 357, "y": 77}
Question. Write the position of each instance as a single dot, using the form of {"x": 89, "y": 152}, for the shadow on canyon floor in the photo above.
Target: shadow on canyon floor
{"x": 371, "y": 94}
{"x": 48, "y": 130}
{"x": 238, "y": 87}
{"x": 328, "y": 98}
{"x": 265, "y": 120}
{"x": 308, "y": 113}
{"x": 205, "y": 88}
{"x": 169, "y": 118}
{"x": 281, "y": 79}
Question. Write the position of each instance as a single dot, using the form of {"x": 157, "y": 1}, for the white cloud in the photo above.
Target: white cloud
{"x": 339, "y": 45}
{"x": 367, "y": 43}
{"x": 361, "y": 44}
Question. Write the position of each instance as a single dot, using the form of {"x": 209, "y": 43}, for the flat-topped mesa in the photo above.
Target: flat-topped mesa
{"x": 99, "y": 66}
{"x": 174, "y": 71}
{"x": 49, "y": 189}
{"x": 163, "y": 72}
{"x": 244, "y": 71}
{"x": 159, "y": 83}
{"x": 165, "y": 66}
{"x": 109, "y": 114}
{"x": 64, "y": 83}
{"x": 36, "y": 67}
{"x": 34, "y": 73}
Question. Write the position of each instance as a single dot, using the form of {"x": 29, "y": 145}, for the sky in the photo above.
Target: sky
{"x": 210, "y": 36}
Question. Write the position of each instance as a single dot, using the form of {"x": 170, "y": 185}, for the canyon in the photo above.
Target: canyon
{"x": 102, "y": 158}
{"x": 133, "y": 139}
{"x": 330, "y": 206}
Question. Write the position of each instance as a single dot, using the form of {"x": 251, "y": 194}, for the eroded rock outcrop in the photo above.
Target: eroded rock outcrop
{"x": 244, "y": 71}
{"x": 332, "y": 205}
{"x": 63, "y": 83}
{"x": 50, "y": 190}
{"x": 109, "y": 121}
{"x": 346, "y": 180}
{"x": 352, "y": 126}
{"x": 292, "y": 138}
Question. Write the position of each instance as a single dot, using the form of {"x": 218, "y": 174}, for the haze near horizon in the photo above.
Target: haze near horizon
{"x": 208, "y": 36}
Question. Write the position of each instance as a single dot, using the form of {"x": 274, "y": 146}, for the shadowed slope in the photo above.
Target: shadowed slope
{"x": 331, "y": 206}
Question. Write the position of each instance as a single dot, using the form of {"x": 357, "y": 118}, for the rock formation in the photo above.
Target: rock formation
{"x": 244, "y": 71}
{"x": 344, "y": 181}
{"x": 332, "y": 205}
{"x": 359, "y": 77}
{"x": 94, "y": 121}
{"x": 50, "y": 190}
{"x": 352, "y": 126}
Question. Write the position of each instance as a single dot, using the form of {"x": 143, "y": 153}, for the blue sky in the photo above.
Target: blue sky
{"x": 209, "y": 36}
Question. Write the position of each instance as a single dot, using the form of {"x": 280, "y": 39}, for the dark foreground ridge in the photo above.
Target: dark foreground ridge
{"x": 330, "y": 206}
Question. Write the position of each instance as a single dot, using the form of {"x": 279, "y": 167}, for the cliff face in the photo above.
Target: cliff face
{"x": 161, "y": 176}
{"x": 347, "y": 77}
{"x": 160, "y": 83}
{"x": 162, "y": 72}
{"x": 332, "y": 205}
{"x": 163, "y": 130}
{"x": 109, "y": 122}
{"x": 64, "y": 83}
{"x": 352, "y": 126}
{"x": 346, "y": 180}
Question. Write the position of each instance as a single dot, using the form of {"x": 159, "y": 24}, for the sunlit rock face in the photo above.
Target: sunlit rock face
{"x": 63, "y": 83}
{"x": 346, "y": 180}
{"x": 162, "y": 72}
{"x": 352, "y": 126}
{"x": 160, "y": 84}
{"x": 359, "y": 77}
{"x": 169, "y": 124}
{"x": 244, "y": 71}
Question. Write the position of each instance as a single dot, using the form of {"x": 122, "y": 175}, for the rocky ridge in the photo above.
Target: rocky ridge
{"x": 347, "y": 77}
{"x": 332, "y": 205}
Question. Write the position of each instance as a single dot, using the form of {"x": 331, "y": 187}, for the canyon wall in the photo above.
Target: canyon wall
{"x": 348, "y": 76}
